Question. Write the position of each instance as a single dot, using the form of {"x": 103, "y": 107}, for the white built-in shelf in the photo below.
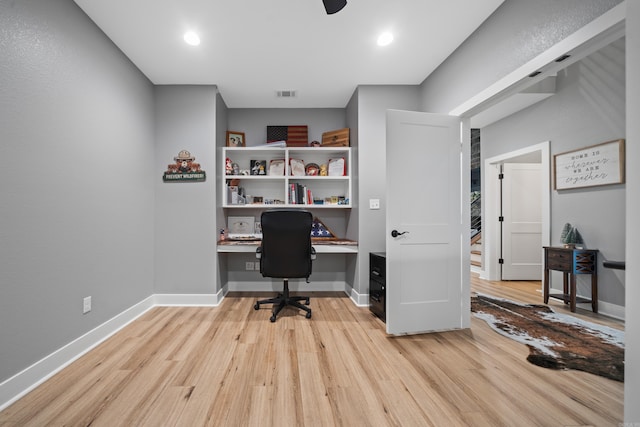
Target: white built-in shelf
{"x": 273, "y": 188}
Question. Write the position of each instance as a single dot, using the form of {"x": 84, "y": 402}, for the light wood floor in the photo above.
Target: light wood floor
{"x": 229, "y": 366}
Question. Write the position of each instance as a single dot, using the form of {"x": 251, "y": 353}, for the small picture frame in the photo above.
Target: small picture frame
{"x": 258, "y": 167}
{"x": 235, "y": 139}
{"x": 337, "y": 167}
{"x": 297, "y": 167}
{"x": 241, "y": 225}
{"x": 276, "y": 167}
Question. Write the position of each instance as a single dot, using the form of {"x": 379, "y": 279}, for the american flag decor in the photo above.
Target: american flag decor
{"x": 296, "y": 136}
{"x": 320, "y": 231}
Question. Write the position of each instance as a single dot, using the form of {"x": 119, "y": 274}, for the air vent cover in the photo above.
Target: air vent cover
{"x": 286, "y": 93}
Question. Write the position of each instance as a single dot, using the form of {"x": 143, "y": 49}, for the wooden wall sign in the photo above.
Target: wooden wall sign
{"x": 601, "y": 164}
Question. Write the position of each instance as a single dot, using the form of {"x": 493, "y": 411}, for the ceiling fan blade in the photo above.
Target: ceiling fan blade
{"x": 333, "y": 6}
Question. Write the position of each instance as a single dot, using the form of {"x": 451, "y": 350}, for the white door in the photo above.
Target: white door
{"x": 424, "y": 260}
{"x": 522, "y": 221}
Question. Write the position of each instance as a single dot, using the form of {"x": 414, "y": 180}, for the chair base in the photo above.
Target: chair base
{"x": 283, "y": 299}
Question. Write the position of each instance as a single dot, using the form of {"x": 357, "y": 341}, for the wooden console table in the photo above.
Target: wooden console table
{"x": 571, "y": 262}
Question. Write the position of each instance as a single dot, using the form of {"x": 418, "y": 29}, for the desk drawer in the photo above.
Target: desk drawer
{"x": 559, "y": 260}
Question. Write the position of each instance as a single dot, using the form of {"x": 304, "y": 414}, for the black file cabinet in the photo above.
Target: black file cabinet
{"x": 378, "y": 284}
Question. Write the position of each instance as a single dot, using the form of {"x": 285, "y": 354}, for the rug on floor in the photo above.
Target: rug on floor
{"x": 557, "y": 341}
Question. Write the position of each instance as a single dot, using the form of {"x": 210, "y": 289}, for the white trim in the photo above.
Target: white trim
{"x": 186, "y": 300}
{"x": 360, "y": 300}
{"x": 23, "y": 382}
{"x": 491, "y": 233}
{"x": 598, "y": 33}
{"x": 611, "y": 310}
{"x": 294, "y": 286}
{"x": 604, "y": 308}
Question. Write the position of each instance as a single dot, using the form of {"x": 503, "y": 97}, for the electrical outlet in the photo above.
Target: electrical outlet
{"x": 86, "y": 305}
{"x": 257, "y": 266}
{"x": 248, "y": 265}
{"x": 374, "y": 203}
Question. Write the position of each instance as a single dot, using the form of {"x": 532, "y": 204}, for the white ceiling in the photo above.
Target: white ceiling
{"x": 253, "y": 48}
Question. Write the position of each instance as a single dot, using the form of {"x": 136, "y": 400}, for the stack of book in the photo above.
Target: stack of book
{"x": 300, "y": 195}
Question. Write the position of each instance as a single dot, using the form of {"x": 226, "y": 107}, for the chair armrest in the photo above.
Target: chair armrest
{"x": 259, "y": 252}
{"x": 313, "y": 253}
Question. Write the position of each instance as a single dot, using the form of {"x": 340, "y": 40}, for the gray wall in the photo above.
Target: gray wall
{"x": 76, "y": 212}
{"x": 254, "y": 121}
{"x": 588, "y": 108}
{"x": 373, "y": 101}
{"x": 353, "y": 222}
{"x": 515, "y": 33}
{"x": 185, "y": 226}
{"x": 632, "y": 325}
{"x": 222, "y": 113}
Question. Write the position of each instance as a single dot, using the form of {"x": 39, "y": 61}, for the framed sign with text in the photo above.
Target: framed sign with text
{"x": 601, "y": 164}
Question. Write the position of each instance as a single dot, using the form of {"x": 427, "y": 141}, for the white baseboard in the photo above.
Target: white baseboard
{"x": 294, "y": 286}
{"x": 23, "y": 382}
{"x": 361, "y": 300}
{"x": 203, "y": 300}
{"x": 606, "y": 309}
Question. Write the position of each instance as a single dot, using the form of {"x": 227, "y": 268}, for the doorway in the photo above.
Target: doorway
{"x": 492, "y": 237}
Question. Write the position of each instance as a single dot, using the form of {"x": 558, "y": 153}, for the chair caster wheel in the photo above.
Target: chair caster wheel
{"x": 272, "y": 318}
{"x": 256, "y": 306}
{"x": 306, "y": 302}
{"x": 308, "y": 315}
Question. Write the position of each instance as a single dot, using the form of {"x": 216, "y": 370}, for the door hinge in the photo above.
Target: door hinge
{"x": 501, "y": 176}
{"x": 500, "y": 261}
{"x": 500, "y": 219}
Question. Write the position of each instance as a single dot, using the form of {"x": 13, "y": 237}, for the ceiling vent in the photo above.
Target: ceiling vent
{"x": 286, "y": 93}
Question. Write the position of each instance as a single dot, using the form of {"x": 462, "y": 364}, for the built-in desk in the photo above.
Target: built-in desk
{"x": 570, "y": 262}
{"x": 339, "y": 246}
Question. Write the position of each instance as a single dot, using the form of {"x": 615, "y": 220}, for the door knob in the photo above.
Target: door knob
{"x": 396, "y": 233}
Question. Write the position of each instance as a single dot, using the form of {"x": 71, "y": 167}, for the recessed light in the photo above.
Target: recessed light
{"x": 191, "y": 38}
{"x": 385, "y": 39}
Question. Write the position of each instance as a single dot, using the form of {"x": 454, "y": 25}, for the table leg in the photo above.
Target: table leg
{"x": 594, "y": 293}
{"x": 572, "y": 293}
{"x": 546, "y": 286}
{"x": 565, "y": 287}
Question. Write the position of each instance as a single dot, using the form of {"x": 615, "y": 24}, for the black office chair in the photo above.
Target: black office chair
{"x": 286, "y": 253}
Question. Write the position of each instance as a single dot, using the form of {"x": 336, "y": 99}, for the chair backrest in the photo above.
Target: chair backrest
{"x": 286, "y": 243}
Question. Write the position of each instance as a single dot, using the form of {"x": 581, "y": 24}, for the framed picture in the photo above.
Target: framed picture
{"x": 337, "y": 167}
{"x": 297, "y": 167}
{"x": 239, "y": 225}
{"x": 258, "y": 167}
{"x": 276, "y": 167}
{"x": 235, "y": 139}
{"x": 600, "y": 164}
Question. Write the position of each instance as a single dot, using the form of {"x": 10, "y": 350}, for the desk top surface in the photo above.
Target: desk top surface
{"x": 562, "y": 248}
{"x": 321, "y": 246}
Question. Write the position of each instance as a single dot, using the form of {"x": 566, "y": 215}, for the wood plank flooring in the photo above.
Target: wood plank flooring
{"x": 229, "y": 366}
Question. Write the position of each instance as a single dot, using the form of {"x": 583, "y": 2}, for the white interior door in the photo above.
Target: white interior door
{"x": 522, "y": 224}
{"x": 424, "y": 261}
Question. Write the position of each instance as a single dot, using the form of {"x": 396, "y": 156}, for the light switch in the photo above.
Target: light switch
{"x": 374, "y": 203}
